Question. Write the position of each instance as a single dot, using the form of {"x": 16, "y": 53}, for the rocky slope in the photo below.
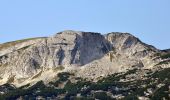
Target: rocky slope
{"x": 86, "y": 54}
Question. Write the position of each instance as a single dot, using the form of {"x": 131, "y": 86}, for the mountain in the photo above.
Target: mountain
{"x": 88, "y": 56}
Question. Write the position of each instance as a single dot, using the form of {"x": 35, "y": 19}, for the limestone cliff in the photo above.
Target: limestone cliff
{"x": 87, "y": 54}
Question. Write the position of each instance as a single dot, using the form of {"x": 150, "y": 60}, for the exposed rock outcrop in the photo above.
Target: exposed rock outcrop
{"x": 88, "y": 55}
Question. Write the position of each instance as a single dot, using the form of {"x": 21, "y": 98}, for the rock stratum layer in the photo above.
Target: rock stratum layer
{"x": 86, "y": 54}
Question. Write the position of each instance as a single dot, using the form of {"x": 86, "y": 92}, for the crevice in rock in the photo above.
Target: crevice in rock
{"x": 60, "y": 55}
{"x": 74, "y": 51}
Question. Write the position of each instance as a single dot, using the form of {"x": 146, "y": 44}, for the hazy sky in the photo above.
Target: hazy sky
{"x": 149, "y": 20}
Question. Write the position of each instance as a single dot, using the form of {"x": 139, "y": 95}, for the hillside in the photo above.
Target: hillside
{"x": 74, "y": 64}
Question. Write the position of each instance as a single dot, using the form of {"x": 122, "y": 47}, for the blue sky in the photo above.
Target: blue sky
{"x": 149, "y": 20}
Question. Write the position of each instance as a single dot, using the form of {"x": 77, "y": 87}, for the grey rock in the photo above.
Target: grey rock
{"x": 87, "y": 54}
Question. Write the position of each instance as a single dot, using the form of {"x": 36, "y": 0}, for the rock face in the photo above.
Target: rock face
{"x": 88, "y": 55}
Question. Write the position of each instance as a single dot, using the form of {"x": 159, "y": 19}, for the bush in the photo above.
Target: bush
{"x": 101, "y": 96}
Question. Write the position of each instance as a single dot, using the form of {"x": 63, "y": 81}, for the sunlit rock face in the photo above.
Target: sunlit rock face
{"x": 87, "y": 54}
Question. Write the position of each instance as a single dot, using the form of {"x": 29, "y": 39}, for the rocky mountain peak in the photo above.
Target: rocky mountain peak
{"x": 87, "y": 54}
{"x": 81, "y": 63}
{"x": 69, "y": 32}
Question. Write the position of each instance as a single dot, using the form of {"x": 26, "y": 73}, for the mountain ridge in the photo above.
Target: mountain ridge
{"x": 87, "y": 54}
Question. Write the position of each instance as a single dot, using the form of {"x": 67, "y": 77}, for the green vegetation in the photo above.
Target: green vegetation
{"x": 131, "y": 97}
{"x": 161, "y": 93}
{"x": 21, "y": 49}
{"x": 102, "y": 90}
{"x": 62, "y": 78}
{"x": 39, "y": 89}
{"x": 163, "y": 62}
{"x": 59, "y": 68}
{"x": 102, "y": 96}
{"x": 162, "y": 74}
{"x": 165, "y": 56}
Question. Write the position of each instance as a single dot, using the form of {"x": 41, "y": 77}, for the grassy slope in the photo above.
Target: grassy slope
{"x": 8, "y": 44}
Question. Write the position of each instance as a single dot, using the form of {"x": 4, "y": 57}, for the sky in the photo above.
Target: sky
{"x": 149, "y": 20}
